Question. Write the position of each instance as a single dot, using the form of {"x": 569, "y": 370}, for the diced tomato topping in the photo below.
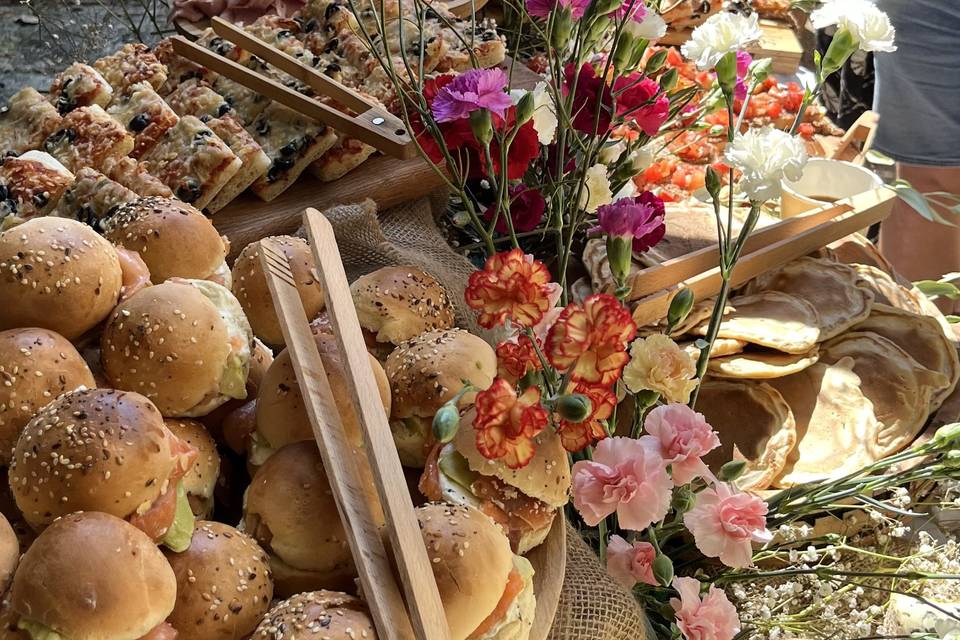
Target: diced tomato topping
{"x": 806, "y": 130}
{"x": 792, "y": 102}
{"x": 510, "y": 593}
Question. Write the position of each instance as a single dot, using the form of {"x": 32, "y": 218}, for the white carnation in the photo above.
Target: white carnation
{"x": 721, "y": 34}
{"x": 652, "y": 27}
{"x": 544, "y": 113}
{"x": 596, "y": 189}
{"x": 868, "y": 25}
{"x": 766, "y": 156}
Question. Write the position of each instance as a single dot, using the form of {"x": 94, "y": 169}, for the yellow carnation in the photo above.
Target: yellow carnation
{"x": 658, "y": 364}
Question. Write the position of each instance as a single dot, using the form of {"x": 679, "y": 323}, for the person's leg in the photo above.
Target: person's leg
{"x": 917, "y": 248}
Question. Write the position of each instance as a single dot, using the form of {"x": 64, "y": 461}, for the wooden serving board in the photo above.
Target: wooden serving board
{"x": 779, "y": 42}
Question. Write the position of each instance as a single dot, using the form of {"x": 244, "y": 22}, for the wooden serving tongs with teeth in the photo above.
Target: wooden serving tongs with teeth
{"x": 380, "y": 526}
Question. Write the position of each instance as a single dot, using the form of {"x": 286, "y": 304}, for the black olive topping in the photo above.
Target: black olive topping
{"x": 139, "y": 122}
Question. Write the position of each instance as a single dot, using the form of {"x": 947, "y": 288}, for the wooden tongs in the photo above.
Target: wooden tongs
{"x": 351, "y": 472}
{"x": 369, "y": 122}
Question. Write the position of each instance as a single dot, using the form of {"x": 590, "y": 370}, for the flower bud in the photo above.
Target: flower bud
{"x": 603, "y": 7}
{"x": 668, "y": 81}
{"x": 597, "y": 31}
{"x": 656, "y": 62}
{"x": 663, "y": 569}
{"x": 952, "y": 459}
{"x": 646, "y": 398}
{"x": 732, "y": 470}
{"x": 727, "y": 75}
{"x": 446, "y": 422}
{"x": 482, "y": 125}
{"x": 574, "y": 407}
{"x": 841, "y": 48}
{"x": 761, "y": 69}
{"x": 683, "y": 499}
{"x": 525, "y": 108}
{"x": 562, "y": 28}
{"x": 946, "y": 435}
{"x": 713, "y": 182}
{"x": 620, "y": 256}
{"x": 680, "y": 307}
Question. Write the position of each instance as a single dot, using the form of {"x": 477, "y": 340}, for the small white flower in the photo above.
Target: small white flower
{"x": 596, "y": 189}
{"x": 721, "y": 34}
{"x": 544, "y": 113}
{"x": 869, "y": 26}
{"x": 611, "y": 152}
{"x": 765, "y": 156}
{"x": 651, "y": 28}
{"x": 644, "y": 157}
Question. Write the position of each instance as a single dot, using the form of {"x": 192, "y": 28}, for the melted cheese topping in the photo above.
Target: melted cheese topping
{"x": 92, "y": 197}
{"x": 27, "y": 121}
{"x": 79, "y": 85}
{"x": 145, "y": 115}
{"x": 31, "y": 186}
{"x": 132, "y": 64}
{"x": 88, "y": 137}
{"x": 197, "y": 98}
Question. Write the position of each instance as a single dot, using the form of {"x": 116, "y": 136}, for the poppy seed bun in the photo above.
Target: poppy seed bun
{"x": 201, "y": 479}
{"x": 170, "y": 343}
{"x": 58, "y": 274}
{"x": 223, "y": 584}
{"x": 281, "y": 416}
{"x": 173, "y": 239}
{"x": 471, "y": 562}
{"x": 93, "y": 450}
{"x": 92, "y": 576}
{"x": 250, "y": 285}
{"x": 290, "y": 510}
{"x": 399, "y": 303}
{"x": 9, "y": 553}
{"x": 331, "y": 615}
{"x": 36, "y": 366}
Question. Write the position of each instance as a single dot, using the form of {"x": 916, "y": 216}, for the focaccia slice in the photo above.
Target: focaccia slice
{"x": 132, "y": 64}
{"x": 88, "y": 137}
{"x": 30, "y": 186}
{"x": 292, "y": 142}
{"x": 134, "y": 176}
{"x": 255, "y": 162}
{"x": 145, "y": 115}
{"x": 345, "y": 156}
{"x": 246, "y": 103}
{"x": 79, "y": 85}
{"x": 197, "y": 98}
{"x": 179, "y": 69}
{"x": 26, "y": 122}
{"x": 193, "y": 161}
{"x": 92, "y": 197}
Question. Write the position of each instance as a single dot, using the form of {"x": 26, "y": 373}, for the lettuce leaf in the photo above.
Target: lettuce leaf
{"x": 177, "y": 538}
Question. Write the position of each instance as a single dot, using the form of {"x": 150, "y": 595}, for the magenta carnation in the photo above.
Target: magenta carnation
{"x": 542, "y": 8}
{"x": 744, "y": 60}
{"x": 526, "y": 210}
{"x": 640, "y": 219}
{"x": 472, "y": 90}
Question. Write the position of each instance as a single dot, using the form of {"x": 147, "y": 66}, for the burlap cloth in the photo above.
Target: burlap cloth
{"x": 592, "y": 605}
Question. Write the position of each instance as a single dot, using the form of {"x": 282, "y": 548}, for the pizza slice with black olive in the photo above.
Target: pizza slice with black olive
{"x": 132, "y": 64}
{"x": 145, "y": 115}
{"x": 88, "y": 137}
{"x": 92, "y": 197}
{"x": 26, "y": 122}
{"x": 291, "y": 141}
{"x": 193, "y": 161}
{"x": 30, "y": 186}
{"x": 79, "y": 85}
{"x": 255, "y": 162}
{"x": 179, "y": 69}
{"x": 197, "y": 98}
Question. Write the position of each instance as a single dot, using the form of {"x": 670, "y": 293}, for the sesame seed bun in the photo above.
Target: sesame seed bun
{"x": 425, "y": 373}
{"x": 9, "y": 553}
{"x": 471, "y": 561}
{"x": 92, "y": 576}
{"x": 395, "y": 304}
{"x": 171, "y": 343}
{"x": 330, "y": 615}
{"x": 281, "y": 416}
{"x": 200, "y": 481}
{"x": 290, "y": 510}
{"x": 57, "y": 274}
{"x": 92, "y": 450}
{"x": 36, "y": 366}
{"x": 260, "y": 360}
{"x": 250, "y": 286}
{"x": 173, "y": 239}
{"x": 223, "y": 584}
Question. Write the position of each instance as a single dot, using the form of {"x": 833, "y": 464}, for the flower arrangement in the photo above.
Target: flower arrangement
{"x": 550, "y": 166}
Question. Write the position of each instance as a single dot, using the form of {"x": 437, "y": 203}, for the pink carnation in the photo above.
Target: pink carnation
{"x": 724, "y": 522}
{"x": 472, "y": 90}
{"x": 640, "y": 99}
{"x": 631, "y": 563}
{"x": 542, "y": 8}
{"x": 627, "y": 477}
{"x": 744, "y": 60}
{"x": 712, "y": 618}
{"x": 638, "y": 219}
{"x": 683, "y": 438}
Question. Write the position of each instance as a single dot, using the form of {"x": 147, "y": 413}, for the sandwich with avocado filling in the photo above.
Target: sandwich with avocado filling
{"x": 184, "y": 344}
{"x": 108, "y": 451}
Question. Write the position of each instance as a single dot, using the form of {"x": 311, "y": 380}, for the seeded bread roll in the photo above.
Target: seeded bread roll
{"x": 223, "y": 584}
{"x": 173, "y": 239}
{"x": 92, "y": 576}
{"x": 96, "y": 450}
{"x": 331, "y": 614}
{"x": 395, "y": 304}
{"x": 36, "y": 366}
{"x": 9, "y": 553}
{"x": 57, "y": 274}
{"x": 250, "y": 286}
{"x": 200, "y": 481}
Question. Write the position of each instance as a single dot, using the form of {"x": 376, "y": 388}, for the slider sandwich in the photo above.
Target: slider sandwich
{"x": 313, "y": 615}
{"x": 104, "y": 450}
{"x": 201, "y": 479}
{"x": 184, "y": 344}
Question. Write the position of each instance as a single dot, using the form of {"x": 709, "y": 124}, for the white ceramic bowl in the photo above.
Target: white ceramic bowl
{"x": 825, "y": 181}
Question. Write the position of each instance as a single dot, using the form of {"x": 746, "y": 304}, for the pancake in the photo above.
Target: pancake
{"x": 829, "y": 286}
{"x": 699, "y": 313}
{"x": 761, "y": 365}
{"x": 770, "y": 319}
{"x": 923, "y": 338}
{"x": 837, "y": 431}
{"x": 857, "y": 249}
{"x": 886, "y": 290}
{"x": 721, "y": 347}
{"x": 754, "y": 423}
{"x": 900, "y": 388}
